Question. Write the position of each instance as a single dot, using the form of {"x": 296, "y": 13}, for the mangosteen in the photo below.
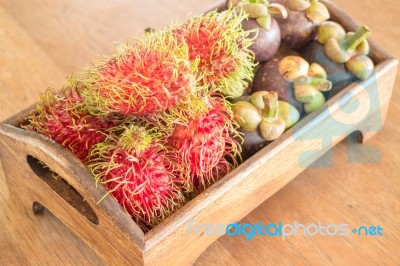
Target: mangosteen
{"x": 269, "y": 78}
{"x": 252, "y": 143}
{"x": 300, "y": 26}
{"x": 337, "y": 72}
{"x": 263, "y": 27}
{"x": 344, "y": 59}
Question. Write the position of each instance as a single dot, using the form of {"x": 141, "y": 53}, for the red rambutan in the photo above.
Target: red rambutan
{"x": 149, "y": 77}
{"x": 220, "y": 47}
{"x": 206, "y": 145}
{"x": 137, "y": 170}
{"x": 67, "y": 121}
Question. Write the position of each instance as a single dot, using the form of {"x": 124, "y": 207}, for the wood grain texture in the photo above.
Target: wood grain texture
{"x": 358, "y": 194}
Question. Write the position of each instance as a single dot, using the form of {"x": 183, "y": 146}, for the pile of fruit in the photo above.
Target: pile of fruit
{"x": 166, "y": 116}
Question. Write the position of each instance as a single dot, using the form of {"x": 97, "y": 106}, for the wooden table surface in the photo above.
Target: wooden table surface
{"x": 42, "y": 41}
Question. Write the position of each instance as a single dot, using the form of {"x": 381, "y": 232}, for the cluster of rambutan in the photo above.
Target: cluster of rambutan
{"x": 220, "y": 48}
{"x": 66, "y": 119}
{"x": 151, "y": 122}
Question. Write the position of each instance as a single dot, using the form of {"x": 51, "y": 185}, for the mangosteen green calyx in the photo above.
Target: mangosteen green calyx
{"x": 361, "y": 66}
{"x": 271, "y": 126}
{"x": 340, "y": 51}
{"x": 267, "y": 39}
{"x": 363, "y": 47}
{"x": 269, "y": 78}
{"x": 279, "y": 74}
{"x": 330, "y": 29}
{"x": 333, "y": 49}
{"x": 337, "y": 72}
{"x": 308, "y": 90}
{"x": 300, "y": 27}
{"x": 286, "y": 111}
{"x": 262, "y": 114}
{"x": 244, "y": 110}
{"x": 246, "y": 115}
{"x": 352, "y": 50}
{"x": 292, "y": 67}
{"x": 316, "y": 70}
{"x": 308, "y": 81}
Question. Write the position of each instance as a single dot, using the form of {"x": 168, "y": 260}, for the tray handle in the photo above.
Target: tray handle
{"x": 59, "y": 185}
{"x": 45, "y": 173}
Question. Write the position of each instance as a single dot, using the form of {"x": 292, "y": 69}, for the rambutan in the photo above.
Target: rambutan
{"x": 141, "y": 175}
{"x": 207, "y": 144}
{"x": 66, "y": 120}
{"x": 149, "y": 77}
{"x": 221, "y": 47}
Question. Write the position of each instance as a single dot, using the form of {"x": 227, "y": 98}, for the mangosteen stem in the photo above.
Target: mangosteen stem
{"x": 361, "y": 34}
{"x": 270, "y": 110}
{"x": 307, "y": 89}
{"x": 320, "y": 84}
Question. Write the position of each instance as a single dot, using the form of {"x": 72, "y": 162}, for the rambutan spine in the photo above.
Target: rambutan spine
{"x": 221, "y": 46}
{"x": 65, "y": 119}
{"x": 145, "y": 78}
{"x": 207, "y": 145}
{"x": 140, "y": 173}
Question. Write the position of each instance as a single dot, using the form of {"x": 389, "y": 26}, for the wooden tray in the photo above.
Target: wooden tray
{"x": 109, "y": 231}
